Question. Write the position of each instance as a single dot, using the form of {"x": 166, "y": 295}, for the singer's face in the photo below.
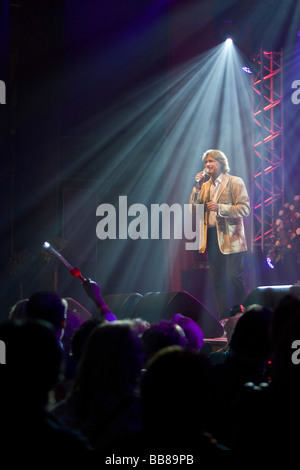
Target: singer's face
{"x": 213, "y": 166}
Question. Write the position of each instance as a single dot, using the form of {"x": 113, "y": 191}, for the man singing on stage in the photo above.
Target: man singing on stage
{"x": 226, "y": 202}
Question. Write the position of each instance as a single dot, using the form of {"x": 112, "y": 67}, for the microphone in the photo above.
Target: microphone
{"x": 204, "y": 173}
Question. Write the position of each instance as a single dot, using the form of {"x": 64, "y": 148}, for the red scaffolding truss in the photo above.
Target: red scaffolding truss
{"x": 268, "y": 149}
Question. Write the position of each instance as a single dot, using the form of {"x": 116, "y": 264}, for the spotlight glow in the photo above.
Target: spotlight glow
{"x": 228, "y": 42}
{"x": 246, "y": 70}
{"x": 269, "y": 263}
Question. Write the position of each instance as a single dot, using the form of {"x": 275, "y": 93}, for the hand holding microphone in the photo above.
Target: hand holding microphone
{"x": 199, "y": 178}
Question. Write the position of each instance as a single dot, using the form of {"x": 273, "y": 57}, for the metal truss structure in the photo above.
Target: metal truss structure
{"x": 268, "y": 159}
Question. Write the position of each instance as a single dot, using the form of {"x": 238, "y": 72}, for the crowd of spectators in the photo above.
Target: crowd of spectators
{"x": 121, "y": 386}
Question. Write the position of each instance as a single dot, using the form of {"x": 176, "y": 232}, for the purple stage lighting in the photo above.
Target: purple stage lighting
{"x": 246, "y": 69}
{"x": 269, "y": 263}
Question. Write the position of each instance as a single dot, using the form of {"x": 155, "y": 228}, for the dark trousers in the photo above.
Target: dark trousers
{"x": 224, "y": 270}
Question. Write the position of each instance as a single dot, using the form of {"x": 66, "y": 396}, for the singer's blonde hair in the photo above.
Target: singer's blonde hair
{"x": 218, "y": 155}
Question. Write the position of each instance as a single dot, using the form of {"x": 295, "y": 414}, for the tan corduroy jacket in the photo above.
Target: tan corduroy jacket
{"x": 233, "y": 204}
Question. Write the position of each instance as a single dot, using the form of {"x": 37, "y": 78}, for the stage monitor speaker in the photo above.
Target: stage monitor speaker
{"x": 155, "y": 306}
{"x": 269, "y": 296}
{"x": 122, "y": 305}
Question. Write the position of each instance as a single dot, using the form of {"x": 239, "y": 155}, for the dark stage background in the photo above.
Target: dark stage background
{"x": 85, "y": 121}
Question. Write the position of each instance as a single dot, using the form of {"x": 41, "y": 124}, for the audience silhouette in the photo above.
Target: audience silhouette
{"x": 33, "y": 364}
{"x": 139, "y": 387}
{"x": 175, "y": 396}
{"x": 246, "y": 361}
{"x": 162, "y": 334}
{"x": 193, "y": 333}
{"x": 48, "y": 306}
{"x": 270, "y": 409}
{"x": 103, "y": 403}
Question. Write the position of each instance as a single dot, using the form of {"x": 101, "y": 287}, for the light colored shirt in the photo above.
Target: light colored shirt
{"x": 214, "y": 190}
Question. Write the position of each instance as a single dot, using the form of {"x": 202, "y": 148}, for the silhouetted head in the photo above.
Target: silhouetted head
{"x": 33, "y": 362}
{"x": 174, "y": 393}
{"x": 286, "y": 311}
{"x": 48, "y": 306}
{"x": 19, "y": 310}
{"x": 192, "y": 331}
{"x": 251, "y": 338}
{"x": 111, "y": 364}
{"x": 80, "y": 337}
{"x": 162, "y": 334}
{"x": 286, "y": 333}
